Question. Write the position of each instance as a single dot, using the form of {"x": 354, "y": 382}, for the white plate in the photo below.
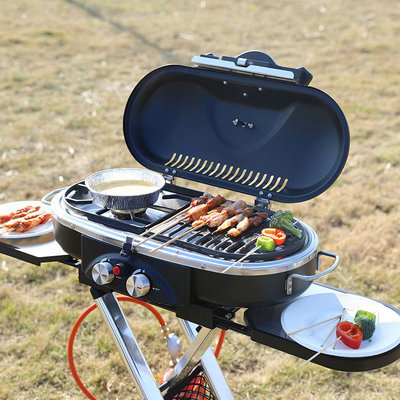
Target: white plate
{"x": 38, "y": 230}
{"x": 312, "y": 309}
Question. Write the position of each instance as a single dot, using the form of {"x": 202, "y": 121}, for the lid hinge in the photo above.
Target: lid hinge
{"x": 169, "y": 178}
{"x": 262, "y": 202}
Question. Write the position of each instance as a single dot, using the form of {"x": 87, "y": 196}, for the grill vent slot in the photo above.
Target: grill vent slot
{"x": 230, "y": 173}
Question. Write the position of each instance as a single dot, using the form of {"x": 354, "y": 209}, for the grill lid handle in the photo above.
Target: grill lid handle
{"x": 255, "y": 62}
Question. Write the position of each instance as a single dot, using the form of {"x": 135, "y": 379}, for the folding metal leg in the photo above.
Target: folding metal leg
{"x": 198, "y": 350}
{"x": 128, "y": 346}
{"x": 211, "y": 369}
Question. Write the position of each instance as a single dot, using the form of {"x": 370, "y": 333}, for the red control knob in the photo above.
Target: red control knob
{"x": 117, "y": 270}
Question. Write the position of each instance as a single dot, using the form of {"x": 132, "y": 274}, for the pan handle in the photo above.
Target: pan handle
{"x": 46, "y": 197}
{"x": 289, "y": 281}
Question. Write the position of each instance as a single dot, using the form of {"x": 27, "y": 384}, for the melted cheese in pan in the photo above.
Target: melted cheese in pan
{"x": 125, "y": 188}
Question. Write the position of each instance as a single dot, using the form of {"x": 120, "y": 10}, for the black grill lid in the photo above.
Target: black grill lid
{"x": 247, "y": 132}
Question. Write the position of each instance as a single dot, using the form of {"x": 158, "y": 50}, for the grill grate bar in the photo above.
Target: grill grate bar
{"x": 208, "y": 240}
{"x": 175, "y": 230}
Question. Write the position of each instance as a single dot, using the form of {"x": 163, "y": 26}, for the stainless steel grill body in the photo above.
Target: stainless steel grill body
{"x": 179, "y": 277}
{"x": 180, "y": 256}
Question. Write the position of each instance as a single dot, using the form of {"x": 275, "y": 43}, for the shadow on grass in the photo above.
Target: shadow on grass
{"x": 166, "y": 53}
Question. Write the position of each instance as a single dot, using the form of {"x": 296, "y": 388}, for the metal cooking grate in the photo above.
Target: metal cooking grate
{"x": 172, "y": 199}
{"x": 206, "y": 241}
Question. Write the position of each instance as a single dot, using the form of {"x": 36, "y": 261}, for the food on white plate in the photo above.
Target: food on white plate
{"x": 366, "y": 321}
{"x": 24, "y": 219}
{"x": 353, "y": 333}
{"x": 350, "y": 334}
{"x": 22, "y": 212}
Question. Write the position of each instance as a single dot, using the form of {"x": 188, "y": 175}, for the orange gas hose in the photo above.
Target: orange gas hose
{"x": 221, "y": 338}
{"x": 85, "y": 313}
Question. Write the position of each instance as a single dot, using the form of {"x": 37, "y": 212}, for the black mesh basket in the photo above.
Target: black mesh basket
{"x": 194, "y": 386}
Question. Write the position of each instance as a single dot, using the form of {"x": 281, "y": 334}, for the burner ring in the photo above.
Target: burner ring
{"x": 128, "y": 214}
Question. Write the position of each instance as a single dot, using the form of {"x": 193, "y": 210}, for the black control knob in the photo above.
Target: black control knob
{"x": 102, "y": 273}
{"x": 138, "y": 285}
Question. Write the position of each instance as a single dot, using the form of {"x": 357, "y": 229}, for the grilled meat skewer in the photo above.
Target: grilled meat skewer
{"x": 220, "y": 208}
{"x": 199, "y": 206}
{"x": 14, "y": 214}
{"x": 196, "y": 201}
{"x": 211, "y": 220}
{"x": 233, "y": 221}
{"x": 247, "y": 222}
{"x": 22, "y": 225}
{"x": 21, "y": 213}
{"x": 201, "y": 200}
{"x": 15, "y": 222}
{"x": 196, "y": 212}
{"x": 236, "y": 208}
{"x": 215, "y": 201}
{"x": 219, "y": 216}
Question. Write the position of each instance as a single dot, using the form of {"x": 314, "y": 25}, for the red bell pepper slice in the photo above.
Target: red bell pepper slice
{"x": 277, "y": 235}
{"x": 351, "y": 334}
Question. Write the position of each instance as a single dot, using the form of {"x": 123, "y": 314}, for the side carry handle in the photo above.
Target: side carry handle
{"x": 289, "y": 281}
{"x": 46, "y": 197}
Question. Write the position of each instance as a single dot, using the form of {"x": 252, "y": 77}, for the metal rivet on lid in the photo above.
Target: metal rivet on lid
{"x": 260, "y": 192}
{"x": 166, "y": 170}
{"x": 244, "y": 94}
{"x": 174, "y": 171}
{"x": 225, "y": 82}
{"x": 260, "y": 89}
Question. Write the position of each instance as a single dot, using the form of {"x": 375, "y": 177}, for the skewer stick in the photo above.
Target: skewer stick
{"x": 312, "y": 326}
{"x": 167, "y": 220}
{"x": 249, "y": 253}
{"x": 318, "y": 353}
{"x": 161, "y": 231}
{"x": 334, "y": 327}
{"x": 6, "y": 230}
{"x": 177, "y": 237}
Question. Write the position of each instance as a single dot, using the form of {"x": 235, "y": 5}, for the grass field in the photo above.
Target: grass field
{"x": 67, "y": 68}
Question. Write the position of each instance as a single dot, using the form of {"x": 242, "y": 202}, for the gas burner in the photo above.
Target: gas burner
{"x": 78, "y": 201}
{"x": 123, "y": 214}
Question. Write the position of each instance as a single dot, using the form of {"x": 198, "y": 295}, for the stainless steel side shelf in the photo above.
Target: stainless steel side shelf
{"x": 35, "y": 250}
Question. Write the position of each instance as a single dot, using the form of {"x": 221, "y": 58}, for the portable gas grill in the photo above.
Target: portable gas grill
{"x": 243, "y": 124}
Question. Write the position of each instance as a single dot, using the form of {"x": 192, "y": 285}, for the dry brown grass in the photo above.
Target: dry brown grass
{"x": 67, "y": 69}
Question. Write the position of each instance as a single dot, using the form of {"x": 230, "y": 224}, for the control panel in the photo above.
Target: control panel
{"x": 107, "y": 270}
{"x": 138, "y": 276}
